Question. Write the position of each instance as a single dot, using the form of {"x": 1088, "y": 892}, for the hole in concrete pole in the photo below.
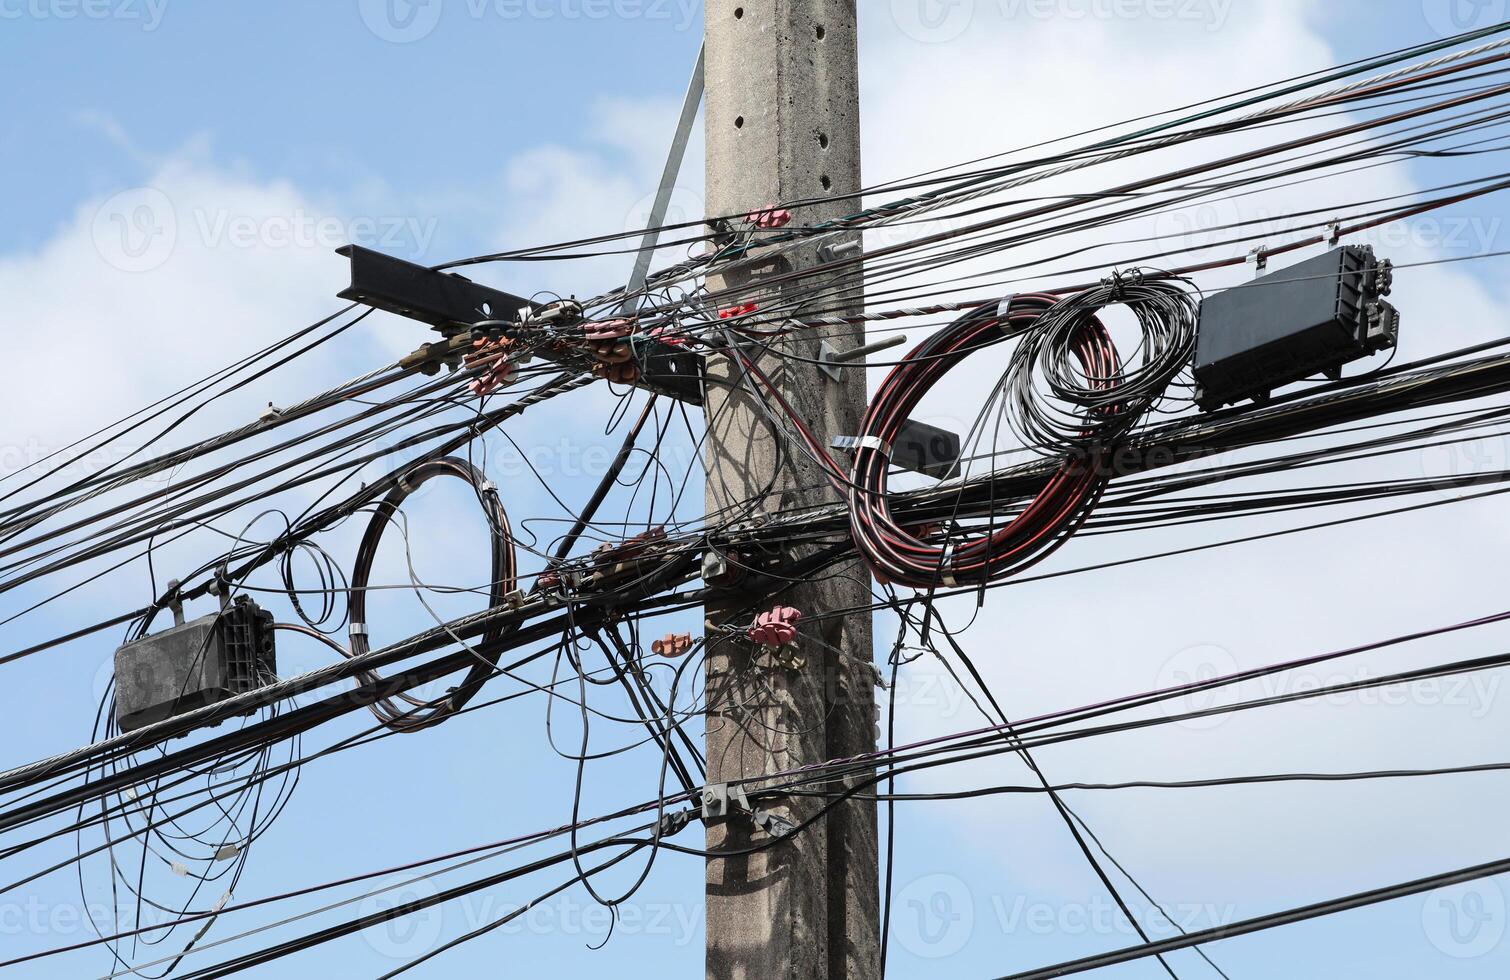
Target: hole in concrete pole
{"x": 827, "y": 184}
{"x": 823, "y": 140}
{"x": 739, "y": 122}
{"x": 821, "y": 32}
{"x": 739, "y": 13}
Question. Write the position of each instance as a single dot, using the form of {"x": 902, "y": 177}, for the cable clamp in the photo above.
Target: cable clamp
{"x": 515, "y": 599}
{"x": 673, "y": 822}
{"x": 725, "y": 800}
{"x": 855, "y": 443}
{"x": 721, "y": 799}
{"x": 1334, "y": 232}
{"x": 1004, "y": 306}
{"x": 1259, "y": 259}
{"x": 946, "y": 565}
{"x": 358, "y": 629}
{"x": 771, "y": 823}
{"x": 173, "y": 599}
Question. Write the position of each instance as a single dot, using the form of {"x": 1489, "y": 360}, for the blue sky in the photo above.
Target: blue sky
{"x": 276, "y": 130}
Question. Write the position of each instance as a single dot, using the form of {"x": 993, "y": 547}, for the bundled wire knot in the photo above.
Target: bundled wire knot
{"x": 1066, "y": 393}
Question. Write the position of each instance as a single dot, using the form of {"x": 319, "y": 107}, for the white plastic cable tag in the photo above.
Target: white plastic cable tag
{"x": 862, "y": 442}
{"x": 946, "y": 563}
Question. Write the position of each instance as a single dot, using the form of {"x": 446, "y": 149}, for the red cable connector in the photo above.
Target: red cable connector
{"x": 729, "y": 313}
{"x": 670, "y": 336}
{"x": 493, "y": 356}
{"x": 776, "y": 628}
{"x": 672, "y": 646}
{"x": 606, "y": 345}
{"x": 770, "y": 218}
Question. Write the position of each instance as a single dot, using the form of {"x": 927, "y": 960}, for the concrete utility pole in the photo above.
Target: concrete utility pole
{"x": 782, "y": 118}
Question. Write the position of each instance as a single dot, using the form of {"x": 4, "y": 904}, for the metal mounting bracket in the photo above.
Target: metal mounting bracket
{"x": 446, "y": 301}
{"x": 724, "y": 800}
{"x": 830, "y": 359}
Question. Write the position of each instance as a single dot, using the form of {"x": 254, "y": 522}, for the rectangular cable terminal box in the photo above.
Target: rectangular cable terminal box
{"x": 194, "y": 664}
{"x": 1313, "y": 317}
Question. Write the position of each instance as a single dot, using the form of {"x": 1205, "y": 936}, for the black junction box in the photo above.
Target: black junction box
{"x": 194, "y": 664}
{"x": 1312, "y": 317}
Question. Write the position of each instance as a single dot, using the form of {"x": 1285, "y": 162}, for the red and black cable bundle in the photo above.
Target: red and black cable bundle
{"x": 931, "y": 557}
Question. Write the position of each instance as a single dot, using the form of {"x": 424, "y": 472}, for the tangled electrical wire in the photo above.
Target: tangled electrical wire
{"x": 1071, "y": 396}
{"x": 406, "y": 712}
{"x": 197, "y": 855}
{"x": 1066, "y": 396}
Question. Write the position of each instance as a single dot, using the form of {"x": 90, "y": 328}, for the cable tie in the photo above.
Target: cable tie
{"x": 946, "y": 565}
{"x": 404, "y": 484}
{"x": 227, "y": 851}
{"x": 1115, "y": 285}
{"x": 358, "y": 629}
{"x": 179, "y": 869}
{"x": 1004, "y": 306}
{"x": 855, "y": 443}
